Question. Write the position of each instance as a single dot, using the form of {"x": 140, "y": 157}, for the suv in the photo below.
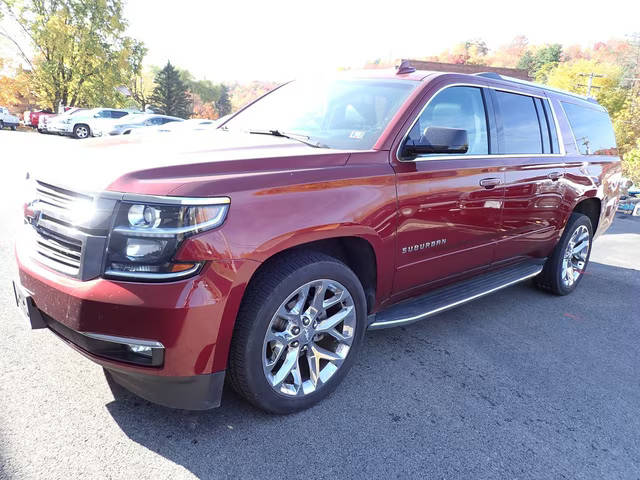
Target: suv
{"x": 8, "y": 120}
{"x": 86, "y": 123}
{"x": 263, "y": 250}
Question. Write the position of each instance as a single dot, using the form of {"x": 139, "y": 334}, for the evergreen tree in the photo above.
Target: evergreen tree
{"x": 223, "y": 104}
{"x": 170, "y": 95}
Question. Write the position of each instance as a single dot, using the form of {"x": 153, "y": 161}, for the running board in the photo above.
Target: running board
{"x": 409, "y": 311}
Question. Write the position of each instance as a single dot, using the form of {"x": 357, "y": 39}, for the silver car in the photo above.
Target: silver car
{"x": 132, "y": 122}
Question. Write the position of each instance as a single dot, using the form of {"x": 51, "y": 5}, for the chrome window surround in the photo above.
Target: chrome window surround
{"x": 421, "y": 158}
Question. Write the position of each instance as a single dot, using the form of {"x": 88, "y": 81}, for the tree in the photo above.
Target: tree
{"x": 81, "y": 51}
{"x": 170, "y": 94}
{"x": 223, "y": 105}
{"x": 631, "y": 164}
{"x": 540, "y": 60}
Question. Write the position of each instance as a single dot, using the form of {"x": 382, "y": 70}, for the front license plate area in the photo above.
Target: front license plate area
{"x": 25, "y": 304}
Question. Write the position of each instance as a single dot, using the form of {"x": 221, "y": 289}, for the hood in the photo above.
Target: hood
{"x": 217, "y": 161}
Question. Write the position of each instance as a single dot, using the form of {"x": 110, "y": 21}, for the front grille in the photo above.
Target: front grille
{"x": 57, "y": 251}
{"x": 56, "y": 243}
{"x": 58, "y": 203}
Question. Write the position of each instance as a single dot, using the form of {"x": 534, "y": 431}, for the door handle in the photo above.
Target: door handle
{"x": 490, "y": 182}
{"x": 554, "y": 175}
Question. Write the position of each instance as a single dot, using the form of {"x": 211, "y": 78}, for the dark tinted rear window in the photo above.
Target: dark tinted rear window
{"x": 592, "y": 130}
{"x": 520, "y": 125}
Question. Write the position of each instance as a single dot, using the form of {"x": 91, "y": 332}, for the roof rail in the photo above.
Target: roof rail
{"x": 497, "y": 76}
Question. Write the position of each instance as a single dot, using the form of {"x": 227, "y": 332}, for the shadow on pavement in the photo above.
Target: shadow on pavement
{"x": 517, "y": 384}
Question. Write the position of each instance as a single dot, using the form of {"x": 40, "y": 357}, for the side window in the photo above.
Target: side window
{"x": 545, "y": 134}
{"x": 553, "y": 132}
{"x": 592, "y": 130}
{"x": 457, "y": 107}
{"x": 117, "y": 114}
{"x": 520, "y": 126}
{"x": 103, "y": 114}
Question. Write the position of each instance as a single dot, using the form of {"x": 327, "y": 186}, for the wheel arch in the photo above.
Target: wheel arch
{"x": 592, "y": 208}
{"x": 354, "y": 251}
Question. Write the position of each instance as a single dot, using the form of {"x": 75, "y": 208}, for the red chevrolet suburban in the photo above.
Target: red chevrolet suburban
{"x": 262, "y": 251}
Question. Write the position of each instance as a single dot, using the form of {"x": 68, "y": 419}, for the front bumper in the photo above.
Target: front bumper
{"x": 190, "y": 318}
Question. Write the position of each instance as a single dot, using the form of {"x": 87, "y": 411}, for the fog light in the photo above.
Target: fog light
{"x": 139, "y": 248}
{"x": 143, "y": 350}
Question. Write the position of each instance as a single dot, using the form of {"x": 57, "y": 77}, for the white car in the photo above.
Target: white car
{"x": 8, "y": 120}
{"x": 87, "y": 123}
{"x": 192, "y": 124}
{"x": 133, "y": 122}
{"x": 56, "y": 123}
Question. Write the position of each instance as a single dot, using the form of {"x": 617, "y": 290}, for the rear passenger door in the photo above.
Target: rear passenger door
{"x": 448, "y": 205}
{"x": 534, "y": 169}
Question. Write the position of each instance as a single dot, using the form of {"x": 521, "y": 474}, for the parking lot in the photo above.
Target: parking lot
{"x": 520, "y": 384}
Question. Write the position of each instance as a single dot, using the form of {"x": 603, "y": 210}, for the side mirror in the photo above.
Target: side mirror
{"x": 438, "y": 140}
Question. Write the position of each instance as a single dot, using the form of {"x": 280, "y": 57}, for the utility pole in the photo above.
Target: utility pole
{"x": 589, "y": 84}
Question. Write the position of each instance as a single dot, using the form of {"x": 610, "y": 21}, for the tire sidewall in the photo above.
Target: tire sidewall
{"x": 562, "y": 246}
{"x": 269, "y": 398}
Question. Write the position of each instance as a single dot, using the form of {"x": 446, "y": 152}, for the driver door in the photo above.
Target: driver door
{"x": 449, "y": 205}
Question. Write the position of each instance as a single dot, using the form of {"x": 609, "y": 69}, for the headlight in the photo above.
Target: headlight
{"x": 146, "y": 237}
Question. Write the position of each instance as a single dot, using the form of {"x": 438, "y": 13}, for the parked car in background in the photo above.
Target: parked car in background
{"x": 55, "y": 123}
{"x": 8, "y": 120}
{"x": 34, "y": 117}
{"x": 192, "y": 124}
{"x": 630, "y": 200}
{"x": 91, "y": 122}
{"x": 264, "y": 249}
{"x": 133, "y": 122}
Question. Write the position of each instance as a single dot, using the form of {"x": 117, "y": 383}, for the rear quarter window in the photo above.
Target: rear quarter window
{"x": 592, "y": 130}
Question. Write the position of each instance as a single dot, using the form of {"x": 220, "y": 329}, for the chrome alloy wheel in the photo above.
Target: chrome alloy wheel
{"x": 82, "y": 132}
{"x": 575, "y": 256}
{"x": 309, "y": 337}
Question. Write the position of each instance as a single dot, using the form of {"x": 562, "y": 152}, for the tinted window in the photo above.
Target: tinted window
{"x": 520, "y": 126}
{"x": 103, "y": 114}
{"x": 555, "y": 148}
{"x": 544, "y": 126}
{"x": 457, "y": 107}
{"x": 116, "y": 114}
{"x": 592, "y": 130}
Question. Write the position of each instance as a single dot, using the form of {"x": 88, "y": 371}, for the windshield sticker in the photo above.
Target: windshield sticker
{"x": 357, "y": 134}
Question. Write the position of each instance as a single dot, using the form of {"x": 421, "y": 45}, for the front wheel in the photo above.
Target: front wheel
{"x": 297, "y": 333}
{"x": 565, "y": 268}
{"x": 81, "y": 131}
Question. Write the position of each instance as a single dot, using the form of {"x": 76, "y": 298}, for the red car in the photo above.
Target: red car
{"x": 264, "y": 250}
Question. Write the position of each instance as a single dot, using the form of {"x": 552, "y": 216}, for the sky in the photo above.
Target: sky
{"x": 279, "y": 40}
{"x": 236, "y": 40}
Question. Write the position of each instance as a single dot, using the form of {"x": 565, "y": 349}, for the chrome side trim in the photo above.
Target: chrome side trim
{"x": 497, "y": 155}
{"x": 415, "y": 318}
{"x": 123, "y": 340}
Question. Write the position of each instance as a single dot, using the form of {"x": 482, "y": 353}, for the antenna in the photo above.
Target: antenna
{"x": 405, "y": 67}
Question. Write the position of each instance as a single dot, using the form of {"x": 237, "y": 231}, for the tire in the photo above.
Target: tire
{"x": 556, "y": 276}
{"x": 13, "y": 128}
{"x": 1, "y": 125}
{"x": 81, "y": 131}
{"x": 274, "y": 290}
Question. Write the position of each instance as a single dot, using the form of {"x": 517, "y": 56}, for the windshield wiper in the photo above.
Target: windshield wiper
{"x": 292, "y": 136}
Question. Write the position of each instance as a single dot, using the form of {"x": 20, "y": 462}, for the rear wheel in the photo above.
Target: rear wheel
{"x": 81, "y": 131}
{"x": 297, "y": 333}
{"x": 1, "y": 124}
{"x": 13, "y": 127}
{"x": 565, "y": 268}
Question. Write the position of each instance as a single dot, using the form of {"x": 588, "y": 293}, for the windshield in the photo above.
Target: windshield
{"x": 343, "y": 114}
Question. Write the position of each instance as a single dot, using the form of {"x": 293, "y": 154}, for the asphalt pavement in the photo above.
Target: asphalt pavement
{"x": 517, "y": 385}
